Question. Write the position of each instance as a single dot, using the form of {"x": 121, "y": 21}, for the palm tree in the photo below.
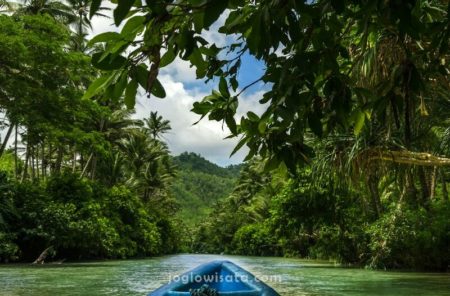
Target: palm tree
{"x": 6, "y": 6}
{"x": 54, "y": 8}
{"x": 80, "y": 8}
{"x": 112, "y": 168}
{"x": 147, "y": 164}
{"x": 388, "y": 79}
{"x": 156, "y": 126}
{"x": 119, "y": 125}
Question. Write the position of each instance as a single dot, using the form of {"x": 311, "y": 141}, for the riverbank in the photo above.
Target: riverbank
{"x": 287, "y": 275}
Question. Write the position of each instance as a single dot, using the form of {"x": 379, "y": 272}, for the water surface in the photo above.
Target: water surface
{"x": 291, "y": 277}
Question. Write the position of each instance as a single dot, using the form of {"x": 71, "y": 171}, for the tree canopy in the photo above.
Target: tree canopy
{"x": 331, "y": 65}
{"x": 79, "y": 173}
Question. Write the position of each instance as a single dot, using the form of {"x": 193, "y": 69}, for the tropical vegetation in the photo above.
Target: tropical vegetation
{"x": 199, "y": 185}
{"x": 349, "y": 161}
{"x": 81, "y": 178}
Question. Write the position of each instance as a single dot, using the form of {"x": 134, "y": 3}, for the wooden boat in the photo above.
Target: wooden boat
{"x": 224, "y": 277}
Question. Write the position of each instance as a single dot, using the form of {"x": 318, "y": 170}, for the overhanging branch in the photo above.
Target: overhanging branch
{"x": 404, "y": 157}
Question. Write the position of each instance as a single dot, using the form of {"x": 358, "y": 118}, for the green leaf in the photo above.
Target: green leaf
{"x": 120, "y": 86}
{"x": 109, "y": 62}
{"x": 95, "y": 6}
{"x": 254, "y": 36}
{"x": 252, "y": 116}
{"x": 234, "y": 83}
{"x": 116, "y": 47}
{"x": 167, "y": 58}
{"x": 223, "y": 88}
{"x": 213, "y": 10}
{"x": 141, "y": 75}
{"x": 231, "y": 123}
{"x": 197, "y": 18}
{"x": 201, "y": 108}
{"x": 105, "y": 37}
{"x": 359, "y": 123}
{"x": 217, "y": 114}
{"x": 158, "y": 90}
{"x": 203, "y": 19}
{"x": 122, "y": 10}
{"x": 272, "y": 163}
{"x": 239, "y": 146}
{"x": 130, "y": 94}
{"x": 132, "y": 27}
{"x": 97, "y": 86}
{"x": 196, "y": 59}
{"x": 262, "y": 125}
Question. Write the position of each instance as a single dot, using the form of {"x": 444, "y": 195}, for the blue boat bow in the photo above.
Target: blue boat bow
{"x": 225, "y": 277}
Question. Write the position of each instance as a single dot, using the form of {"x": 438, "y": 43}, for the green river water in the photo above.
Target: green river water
{"x": 288, "y": 276}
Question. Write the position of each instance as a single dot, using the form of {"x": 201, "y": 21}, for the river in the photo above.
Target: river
{"x": 293, "y": 277}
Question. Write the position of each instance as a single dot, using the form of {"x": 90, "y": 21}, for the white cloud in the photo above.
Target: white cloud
{"x": 179, "y": 80}
{"x": 206, "y": 137}
{"x": 181, "y": 71}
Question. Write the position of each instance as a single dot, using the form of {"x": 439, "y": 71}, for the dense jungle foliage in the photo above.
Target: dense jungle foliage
{"x": 310, "y": 216}
{"x": 356, "y": 98}
{"x": 199, "y": 185}
{"x": 80, "y": 177}
{"x": 349, "y": 161}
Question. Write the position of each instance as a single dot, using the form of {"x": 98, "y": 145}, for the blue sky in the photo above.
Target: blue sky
{"x": 182, "y": 88}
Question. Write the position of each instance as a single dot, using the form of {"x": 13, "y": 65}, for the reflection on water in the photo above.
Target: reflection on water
{"x": 288, "y": 276}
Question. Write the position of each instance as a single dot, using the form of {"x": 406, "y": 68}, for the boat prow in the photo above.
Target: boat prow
{"x": 225, "y": 277}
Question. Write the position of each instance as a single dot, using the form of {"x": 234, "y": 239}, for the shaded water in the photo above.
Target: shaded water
{"x": 288, "y": 276}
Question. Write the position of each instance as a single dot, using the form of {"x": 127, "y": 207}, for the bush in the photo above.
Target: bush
{"x": 411, "y": 238}
{"x": 254, "y": 240}
{"x": 139, "y": 235}
{"x": 9, "y": 251}
{"x": 80, "y": 219}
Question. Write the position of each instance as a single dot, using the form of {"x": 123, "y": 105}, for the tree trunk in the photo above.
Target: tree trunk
{"x": 43, "y": 256}
{"x": 43, "y": 160}
{"x": 38, "y": 169}
{"x": 433, "y": 183}
{"x": 33, "y": 170}
{"x": 410, "y": 188}
{"x": 86, "y": 165}
{"x": 16, "y": 162}
{"x": 444, "y": 185}
{"x": 424, "y": 185}
{"x": 408, "y": 66}
{"x": 74, "y": 159}
{"x": 81, "y": 160}
{"x": 5, "y": 140}
{"x": 59, "y": 159}
{"x": 374, "y": 194}
{"x": 92, "y": 158}
{"x": 50, "y": 158}
{"x": 93, "y": 167}
{"x": 25, "y": 168}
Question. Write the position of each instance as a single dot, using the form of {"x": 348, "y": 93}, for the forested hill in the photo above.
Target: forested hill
{"x": 200, "y": 184}
{"x": 195, "y": 162}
